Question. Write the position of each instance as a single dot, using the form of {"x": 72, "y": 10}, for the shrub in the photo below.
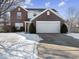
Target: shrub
{"x": 32, "y": 28}
{"x": 13, "y": 29}
{"x": 21, "y": 28}
{"x": 64, "y": 28}
{"x": 1, "y": 29}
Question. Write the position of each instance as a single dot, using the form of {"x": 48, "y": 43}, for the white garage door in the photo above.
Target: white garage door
{"x": 48, "y": 26}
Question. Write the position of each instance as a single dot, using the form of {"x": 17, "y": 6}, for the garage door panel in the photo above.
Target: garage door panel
{"x": 48, "y": 26}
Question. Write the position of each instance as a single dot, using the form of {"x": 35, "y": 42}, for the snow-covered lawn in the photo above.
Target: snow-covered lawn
{"x": 18, "y": 45}
{"x": 74, "y": 35}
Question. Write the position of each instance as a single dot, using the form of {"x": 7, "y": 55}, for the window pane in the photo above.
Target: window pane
{"x": 19, "y": 15}
{"x": 18, "y": 21}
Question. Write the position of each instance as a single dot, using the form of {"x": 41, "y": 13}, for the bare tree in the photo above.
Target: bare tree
{"x": 7, "y": 5}
{"x": 72, "y": 16}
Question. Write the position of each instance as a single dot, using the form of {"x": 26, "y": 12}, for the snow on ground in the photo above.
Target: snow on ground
{"x": 32, "y": 37}
{"x": 18, "y": 45}
{"x": 74, "y": 35}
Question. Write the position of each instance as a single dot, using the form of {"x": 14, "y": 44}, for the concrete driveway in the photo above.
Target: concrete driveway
{"x": 59, "y": 46}
{"x": 61, "y": 39}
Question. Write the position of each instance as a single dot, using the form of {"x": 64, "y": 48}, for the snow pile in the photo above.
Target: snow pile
{"x": 17, "y": 46}
{"x": 32, "y": 37}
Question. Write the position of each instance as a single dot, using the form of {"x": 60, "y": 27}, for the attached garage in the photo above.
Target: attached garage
{"x": 48, "y": 21}
{"x": 47, "y": 26}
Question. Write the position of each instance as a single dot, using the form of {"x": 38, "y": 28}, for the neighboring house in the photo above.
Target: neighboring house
{"x": 73, "y": 25}
{"x": 1, "y": 24}
{"x": 36, "y": 20}
{"x": 4, "y": 22}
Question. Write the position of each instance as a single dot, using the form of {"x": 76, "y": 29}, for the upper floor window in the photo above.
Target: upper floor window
{"x": 19, "y": 15}
{"x": 34, "y": 14}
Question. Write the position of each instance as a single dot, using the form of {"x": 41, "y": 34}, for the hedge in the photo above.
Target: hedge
{"x": 64, "y": 28}
{"x": 32, "y": 28}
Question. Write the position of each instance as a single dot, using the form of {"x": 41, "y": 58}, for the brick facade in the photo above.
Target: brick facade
{"x": 13, "y": 16}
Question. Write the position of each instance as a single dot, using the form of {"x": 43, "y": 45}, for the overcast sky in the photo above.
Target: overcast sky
{"x": 59, "y": 5}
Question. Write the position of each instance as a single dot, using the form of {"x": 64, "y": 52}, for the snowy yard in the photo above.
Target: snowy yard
{"x": 18, "y": 45}
{"x": 74, "y": 35}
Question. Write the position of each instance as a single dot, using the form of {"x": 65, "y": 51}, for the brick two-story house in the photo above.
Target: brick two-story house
{"x": 41, "y": 20}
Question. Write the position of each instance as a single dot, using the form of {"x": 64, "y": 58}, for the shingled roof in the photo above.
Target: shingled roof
{"x": 39, "y": 9}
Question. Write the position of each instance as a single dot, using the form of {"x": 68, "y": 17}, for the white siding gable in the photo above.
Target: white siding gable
{"x": 32, "y": 13}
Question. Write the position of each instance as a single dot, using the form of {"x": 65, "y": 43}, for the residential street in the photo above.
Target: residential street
{"x": 52, "y": 51}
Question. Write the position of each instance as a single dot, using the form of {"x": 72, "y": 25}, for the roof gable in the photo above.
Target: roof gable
{"x": 45, "y": 11}
{"x": 20, "y": 8}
